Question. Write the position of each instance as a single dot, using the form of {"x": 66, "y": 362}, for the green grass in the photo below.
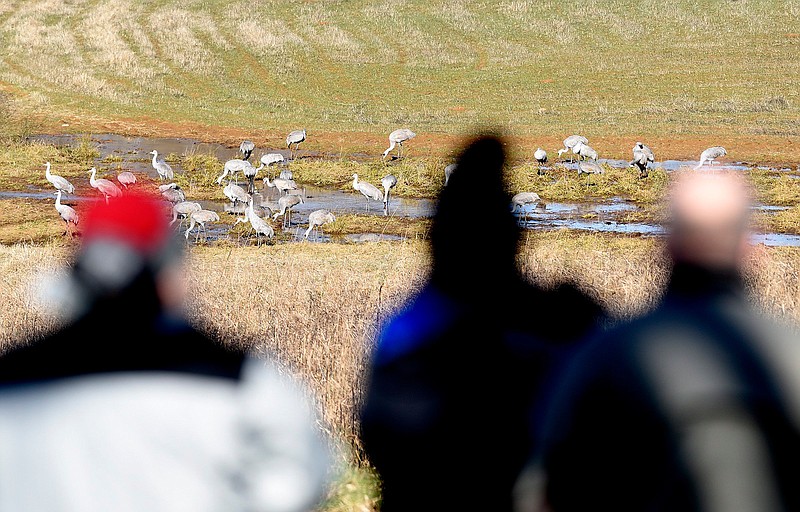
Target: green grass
{"x": 537, "y": 68}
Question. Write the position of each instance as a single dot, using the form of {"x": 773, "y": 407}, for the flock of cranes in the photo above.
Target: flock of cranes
{"x": 288, "y": 190}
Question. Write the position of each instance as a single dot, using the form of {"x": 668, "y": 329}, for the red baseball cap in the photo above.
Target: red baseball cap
{"x": 137, "y": 219}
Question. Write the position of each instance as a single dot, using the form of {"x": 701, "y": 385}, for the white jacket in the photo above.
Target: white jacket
{"x": 159, "y": 441}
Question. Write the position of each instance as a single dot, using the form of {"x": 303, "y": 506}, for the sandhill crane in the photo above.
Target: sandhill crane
{"x": 448, "y": 171}
{"x": 286, "y": 174}
{"x": 521, "y": 200}
{"x": 246, "y": 148}
{"x": 172, "y": 192}
{"x": 236, "y": 194}
{"x": 231, "y": 167}
{"x": 295, "y": 137}
{"x": 182, "y": 210}
{"x": 68, "y": 214}
{"x": 589, "y": 167}
{"x": 58, "y": 182}
{"x": 584, "y": 151}
{"x": 272, "y": 158}
{"x": 710, "y": 154}
{"x": 389, "y": 182}
{"x": 397, "y": 138}
{"x": 126, "y": 178}
{"x": 570, "y": 142}
{"x": 259, "y": 225}
{"x": 200, "y": 217}
{"x": 283, "y": 185}
{"x": 642, "y": 156}
{"x": 250, "y": 172}
{"x": 104, "y": 186}
{"x": 368, "y": 190}
{"x": 162, "y": 167}
{"x": 317, "y": 219}
{"x": 286, "y": 203}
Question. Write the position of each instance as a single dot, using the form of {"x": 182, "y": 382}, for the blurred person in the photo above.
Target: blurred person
{"x": 693, "y": 407}
{"x": 127, "y": 407}
{"x": 446, "y": 417}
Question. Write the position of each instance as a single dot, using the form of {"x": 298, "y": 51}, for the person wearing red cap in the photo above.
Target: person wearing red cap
{"x": 127, "y": 407}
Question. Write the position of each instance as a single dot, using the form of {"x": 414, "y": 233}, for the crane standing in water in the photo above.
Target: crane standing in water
{"x": 317, "y": 219}
{"x": 368, "y": 190}
{"x": 389, "y": 182}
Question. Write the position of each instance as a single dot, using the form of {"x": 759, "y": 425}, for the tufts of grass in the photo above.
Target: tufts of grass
{"x": 416, "y": 229}
{"x": 564, "y": 185}
{"x": 775, "y": 188}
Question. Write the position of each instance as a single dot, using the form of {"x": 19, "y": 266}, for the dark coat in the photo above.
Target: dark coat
{"x": 452, "y": 385}
{"x": 688, "y": 408}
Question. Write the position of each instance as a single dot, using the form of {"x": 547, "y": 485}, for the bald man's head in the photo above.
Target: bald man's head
{"x": 710, "y": 220}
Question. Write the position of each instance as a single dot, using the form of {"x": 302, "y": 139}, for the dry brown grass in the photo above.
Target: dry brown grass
{"x": 317, "y": 307}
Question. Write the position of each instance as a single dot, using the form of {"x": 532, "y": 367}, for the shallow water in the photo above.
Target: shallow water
{"x": 134, "y": 153}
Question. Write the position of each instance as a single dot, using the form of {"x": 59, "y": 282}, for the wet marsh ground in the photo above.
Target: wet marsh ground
{"x": 617, "y": 201}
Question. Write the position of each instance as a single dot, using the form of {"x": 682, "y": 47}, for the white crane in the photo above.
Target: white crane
{"x": 589, "y": 167}
{"x": 106, "y": 187}
{"x": 250, "y": 172}
{"x": 182, "y": 210}
{"x": 236, "y": 194}
{"x": 521, "y": 200}
{"x": 389, "y": 182}
{"x": 317, "y": 219}
{"x": 126, "y": 178}
{"x": 172, "y": 192}
{"x": 286, "y": 203}
{"x": 710, "y": 154}
{"x": 584, "y": 151}
{"x": 259, "y": 225}
{"x": 283, "y": 185}
{"x": 295, "y": 137}
{"x": 68, "y": 214}
{"x": 231, "y": 167}
{"x": 272, "y": 158}
{"x": 570, "y": 142}
{"x": 246, "y": 148}
{"x": 57, "y": 181}
{"x": 200, "y": 217}
{"x": 397, "y": 138}
{"x": 448, "y": 171}
{"x": 162, "y": 167}
{"x": 368, "y": 190}
{"x": 642, "y": 156}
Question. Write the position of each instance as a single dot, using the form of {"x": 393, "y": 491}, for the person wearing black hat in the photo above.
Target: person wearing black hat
{"x": 127, "y": 407}
{"x": 455, "y": 375}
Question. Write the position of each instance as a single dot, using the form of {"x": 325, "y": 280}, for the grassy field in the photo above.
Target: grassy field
{"x": 679, "y": 75}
